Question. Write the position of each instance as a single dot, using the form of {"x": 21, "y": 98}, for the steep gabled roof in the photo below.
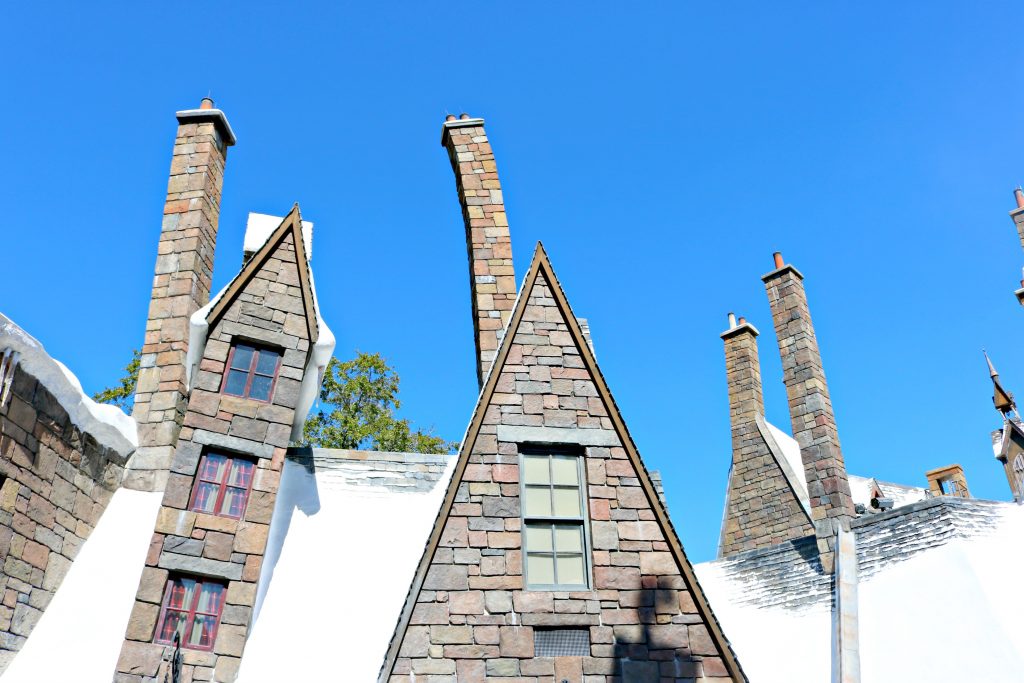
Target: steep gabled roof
{"x": 541, "y": 266}
{"x": 292, "y": 224}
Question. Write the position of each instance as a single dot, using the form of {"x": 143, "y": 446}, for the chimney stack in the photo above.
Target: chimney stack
{"x": 491, "y": 276}
{"x": 947, "y": 481}
{"x": 1018, "y": 220}
{"x": 181, "y": 285}
{"x": 810, "y": 408}
{"x": 762, "y": 509}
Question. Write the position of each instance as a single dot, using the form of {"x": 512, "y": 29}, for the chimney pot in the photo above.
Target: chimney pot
{"x": 778, "y": 259}
{"x": 732, "y": 320}
{"x": 463, "y": 116}
{"x": 1018, "y": 194}
{"x": 450, "y": 117}
{"x": 743, "y": 321}
{"x": 207, "y": 103}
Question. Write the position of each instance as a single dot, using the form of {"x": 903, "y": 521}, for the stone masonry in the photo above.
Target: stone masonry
{"x": 473, "y": 619}
{"x": 268, "y": 309}
{"x": 762, "y": 508}
{"x": 181, "y": 285}
{"x": 492, "y": 279}
{"x": 57, "y": 481}
{"x": 810, "y": 407}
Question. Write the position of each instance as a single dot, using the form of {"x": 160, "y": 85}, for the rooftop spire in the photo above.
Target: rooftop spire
{"x": 1001, "y": 399}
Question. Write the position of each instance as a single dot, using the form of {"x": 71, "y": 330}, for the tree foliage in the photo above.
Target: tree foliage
{"x": 123, "y": 395}
{"x": 358, "y": 400}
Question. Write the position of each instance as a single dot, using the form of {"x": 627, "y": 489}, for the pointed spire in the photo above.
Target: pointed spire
{"x": 1001, "y": 399}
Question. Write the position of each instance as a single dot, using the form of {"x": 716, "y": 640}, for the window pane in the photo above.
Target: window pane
{"x": 234, "y": 502}
{"x": 570, "y": 570}
{"x": 213, "y": 467}
{"x": 260, "y": 389}
{"x": 241, "y": 473}
{"x": 206, "y": 497}
{"x": 236, "y": 383}
{"x": 202, "y": 631}
{"x": 568, "y": 538}
{"x": 173, "y": 621}
{"x": 266, "y": 364}
{"x": 537, "y": 501}
{"x": 540, "y": 569}
{"x": 209, "y": 598}
{"x": 567, "y": 502}
{"x": 564, "y": 470}
{"x": 538, "y": 537}
{"x": 182, "y": 592}
{"x": 243, "y": 357}
{"x": 536, "y": 467}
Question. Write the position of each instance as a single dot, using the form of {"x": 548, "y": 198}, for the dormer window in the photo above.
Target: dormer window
{"x": 251, "y": 371}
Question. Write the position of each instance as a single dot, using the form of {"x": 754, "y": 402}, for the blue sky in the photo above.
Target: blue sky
{"x": 661, "y": 154}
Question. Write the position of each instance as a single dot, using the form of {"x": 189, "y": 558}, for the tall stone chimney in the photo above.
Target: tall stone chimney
{"x": 181, "y": 285}
{"x": 1018, "y": 220}
{"x": 762, "y": 505}
{"x": 491, "y": 276}
{"x": 810, "y": 408}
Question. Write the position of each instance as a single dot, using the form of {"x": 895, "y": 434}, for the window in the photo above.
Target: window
{"x": 554, "y": 524}
{"x": 222, "y": 485}
{"x": 251, "y": 371}
{"x": 191, "y": 608}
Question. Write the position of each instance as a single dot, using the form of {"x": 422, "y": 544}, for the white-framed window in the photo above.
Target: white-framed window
{"x": 556, "y": 538}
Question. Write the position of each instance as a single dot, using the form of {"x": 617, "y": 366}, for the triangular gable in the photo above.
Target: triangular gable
{"x": 541, "y": 268}
{"x": 292, "y": 223}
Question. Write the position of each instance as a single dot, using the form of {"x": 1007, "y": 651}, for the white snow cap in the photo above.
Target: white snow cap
{"x": 107, "y": 424}
{"x": 260, "y": 226}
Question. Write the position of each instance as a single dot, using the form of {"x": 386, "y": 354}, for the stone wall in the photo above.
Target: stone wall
{"x": 57, "y": 482}
{"x": 474, "y": 620}
{"x": 181, "y": 285}
{"x": 268, "y": 309}
{"x": 491, "y": 275}
{"x": 762, "y": 508}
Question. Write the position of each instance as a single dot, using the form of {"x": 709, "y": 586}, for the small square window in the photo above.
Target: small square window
{"x": 191, "y": 608}
{"x": 251, "y": 371}
{"x": 222, "y": 485}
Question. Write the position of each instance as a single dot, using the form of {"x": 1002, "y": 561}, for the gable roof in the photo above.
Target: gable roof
{"x": 541, "y": 265}
{"x": 291, "y": 224}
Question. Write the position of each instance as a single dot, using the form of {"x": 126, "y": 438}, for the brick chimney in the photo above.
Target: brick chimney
{"x": 181, "y": 285}
{"x": 762, "y": 506}
{"x": 1018, "y": 220}
{"x": 810, "y": 408}
{"x": 491, "y": 276}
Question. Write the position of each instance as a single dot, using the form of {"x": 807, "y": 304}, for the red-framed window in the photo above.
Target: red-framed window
{"x": 191, "y": 608}
{"x": 251, "y": 371}
{"x": 222, "y": 485}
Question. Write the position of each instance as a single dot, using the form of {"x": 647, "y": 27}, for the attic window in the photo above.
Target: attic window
{"x": 191, "y": 608}
{"x": 222, "y": 485}
{"x": 562, "y": 642}
{"x": 251, "y": 371}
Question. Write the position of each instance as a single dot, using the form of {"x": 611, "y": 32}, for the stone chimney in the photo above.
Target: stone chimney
{"x": 762, "y": 507}
{"x": 810, "y": 408}
{"x": 181, "y": 285}
{"x": 1018, "y": 220}
{"x": 948, "y": 481}
{"x": 491, "y": 276}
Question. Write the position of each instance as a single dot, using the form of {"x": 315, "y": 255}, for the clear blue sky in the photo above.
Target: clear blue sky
{"x": 661, "y": 154}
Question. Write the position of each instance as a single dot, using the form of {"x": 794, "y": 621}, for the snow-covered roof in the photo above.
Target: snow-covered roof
{"x": 87, "y": 618}
{"x": 933, "y": 601}
{"x": 106, "y": 423}
{"x": 348, "y": 531}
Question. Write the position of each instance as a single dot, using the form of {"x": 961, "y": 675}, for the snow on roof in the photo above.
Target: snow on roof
{"x": 106, "y": 423}
{"x": 348, "y": 531}
{"x": 932, "y": 598}
{"x": 260, "y": 226}
{"x": 87, "y": 618}
{"x": 791, "y": 451}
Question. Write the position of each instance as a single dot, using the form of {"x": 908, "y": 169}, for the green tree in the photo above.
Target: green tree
{"x": 123, "y": 395}
{"x": 358, "y": 400}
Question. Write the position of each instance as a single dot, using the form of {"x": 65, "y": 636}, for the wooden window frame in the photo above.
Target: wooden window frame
{"x": 582, "y": 520}
{"x": 222, "y": 486}
{"x": 251, "y": 372}
{"x": 191, "y": 613}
